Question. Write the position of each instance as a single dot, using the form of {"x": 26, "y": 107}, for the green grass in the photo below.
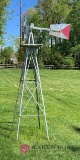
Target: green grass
{"x": 61, "y": 90}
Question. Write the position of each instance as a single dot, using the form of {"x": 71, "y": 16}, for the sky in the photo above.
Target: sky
{"x": 13, "y": 25}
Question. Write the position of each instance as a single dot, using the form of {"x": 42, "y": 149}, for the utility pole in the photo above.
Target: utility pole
{"x": 20, "y": 30}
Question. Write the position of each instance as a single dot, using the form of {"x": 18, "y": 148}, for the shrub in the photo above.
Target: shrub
{"x": 69, "y": 62}
{"x": 57, "y": 60}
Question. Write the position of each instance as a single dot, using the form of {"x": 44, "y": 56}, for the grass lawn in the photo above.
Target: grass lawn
{"x": 61, "y": 89}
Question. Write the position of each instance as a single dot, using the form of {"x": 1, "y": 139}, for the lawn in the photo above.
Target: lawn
{"x": 61, "y": 89}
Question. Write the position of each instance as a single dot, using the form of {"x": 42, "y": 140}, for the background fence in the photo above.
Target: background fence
{"x": 45, "y": 66}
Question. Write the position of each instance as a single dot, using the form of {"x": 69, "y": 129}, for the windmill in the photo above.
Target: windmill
{"x": 30, "y": 100}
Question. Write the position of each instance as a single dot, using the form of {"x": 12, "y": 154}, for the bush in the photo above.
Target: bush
{"x": 57, "y": 60}
{"x": 69, "y": 62}
{"x": 46, "y": 55}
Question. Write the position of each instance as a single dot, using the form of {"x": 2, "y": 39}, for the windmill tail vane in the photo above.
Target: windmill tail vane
{"x": 57, "y": 30}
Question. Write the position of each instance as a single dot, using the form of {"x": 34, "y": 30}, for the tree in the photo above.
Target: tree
{"x": 74, "y": 19}
{"x": 45, "y": 12}
{"x": 23, "y": 50}
{"x": 52, "y": 12}
{"x": 3, "y": 12}
{"x": 75, "y": 51}
{"x": 49, "y": 12}
{"x": 6, "y": 54}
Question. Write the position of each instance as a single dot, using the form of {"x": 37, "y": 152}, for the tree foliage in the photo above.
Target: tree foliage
{"x": 3, "y": 12}
{"x": 74, "y": 19}
{"x": 7, "y": 52}
{"x": 56, "y": 12}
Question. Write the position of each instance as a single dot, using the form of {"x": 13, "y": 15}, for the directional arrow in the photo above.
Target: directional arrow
{"x": 60, "y": 30}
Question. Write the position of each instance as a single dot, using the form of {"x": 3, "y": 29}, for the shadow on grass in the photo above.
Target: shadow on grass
{"x": 5, "y": 129}
{"x": 77, "y": 129}
{"x": 74, "y": 148}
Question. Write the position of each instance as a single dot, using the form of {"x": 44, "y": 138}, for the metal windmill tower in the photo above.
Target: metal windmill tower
{"x": 30, "y": 100}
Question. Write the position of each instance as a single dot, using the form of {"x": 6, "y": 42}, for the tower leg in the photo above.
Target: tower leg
{"x": 42, "y": 97}
{"x": 17, "y": 98}
{"x": 23, "y": 83}
{"x": 37, "y": 98}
